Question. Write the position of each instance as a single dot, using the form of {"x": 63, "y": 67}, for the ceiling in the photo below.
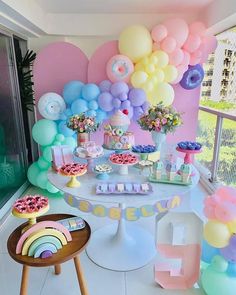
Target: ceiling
{"x": 120, "y": 6}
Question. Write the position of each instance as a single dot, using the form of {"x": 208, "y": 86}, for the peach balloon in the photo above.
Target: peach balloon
{"x": 176, "y": 57}
{"x": 158, "y": 33}
{"x": 168, "y": 44}
{"x": 156, "y": 46}
{"x": 195, "y": 58}
{"x": 192, "y": 43}
{"x": 210, "y": 43}
{"x": 178, "y": 29}
{"x": 186, "y": 59}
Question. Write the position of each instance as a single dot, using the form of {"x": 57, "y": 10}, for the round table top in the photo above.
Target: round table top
{"x": 87, "y": 190}
{"x": 79, "y": 241}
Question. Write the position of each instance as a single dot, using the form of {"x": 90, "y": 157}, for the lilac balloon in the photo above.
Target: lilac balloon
{"x": 105, "y": 101}
{"x": 138, "y": 112}
{"x": 123, "y": 96}
{"x": 105, "y": 86}
{"x": 118, "y": 88}
{"x": 125, "y": 104}
{"x": 116, "y": 103}
{"x": 229, "y": 252}
{"x": 145, "y": 106}
{"x": 137, "y": 97}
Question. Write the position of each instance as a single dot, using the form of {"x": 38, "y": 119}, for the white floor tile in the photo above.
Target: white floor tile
{"x": 10, "y": 277}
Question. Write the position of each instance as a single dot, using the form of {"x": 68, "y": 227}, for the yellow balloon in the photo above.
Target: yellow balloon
{"x": 150, "y": 68}
{"x": 138, "y": 67}
{"x": 162, "y": 92}
{"x": 135, "y": 42}
{"x": 148, "y": 86}
{"x": 138, "y": 78}
{"x": 144, "y": 61}
{"x": 216, "y": 234}
{"x": 232, "y": 226}
{"x": 154, "y": 60}
{"x": 171, "y": 73}
{"x": 159, "y": 74}
{"x": 162, "y": 58}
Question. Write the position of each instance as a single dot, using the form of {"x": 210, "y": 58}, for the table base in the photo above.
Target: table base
{"x": 134, "y": 250}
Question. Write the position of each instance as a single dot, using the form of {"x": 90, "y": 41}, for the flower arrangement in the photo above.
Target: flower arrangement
{"x": 82, "y": 124}
{"x": 160, "y": 118}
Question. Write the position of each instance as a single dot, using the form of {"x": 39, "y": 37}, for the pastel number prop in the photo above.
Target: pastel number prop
{"x": 193, "y": 77}
{"x": 179, "y": 236}
{"x": 119, "y": 68}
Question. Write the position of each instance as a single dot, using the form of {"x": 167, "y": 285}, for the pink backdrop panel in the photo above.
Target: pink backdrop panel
{"x": 57, "y": 64}
{"x": 98, "y": 61}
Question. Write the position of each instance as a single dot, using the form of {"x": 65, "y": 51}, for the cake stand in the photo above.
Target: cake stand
{"x": 188, "y": 154}
{"x": 73, "y": 182}
{"x": 90, "y": 162}
{"x": 103, "y": 175}
{"x": 123, "y": 168}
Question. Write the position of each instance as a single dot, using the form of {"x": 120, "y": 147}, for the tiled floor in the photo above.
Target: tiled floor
{"x": 99, "y": 280}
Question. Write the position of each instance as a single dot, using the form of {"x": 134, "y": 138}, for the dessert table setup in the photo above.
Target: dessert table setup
{"x": 118, "y": 177}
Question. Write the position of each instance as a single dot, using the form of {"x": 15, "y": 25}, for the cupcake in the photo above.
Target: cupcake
{"x": 158, "y": 166}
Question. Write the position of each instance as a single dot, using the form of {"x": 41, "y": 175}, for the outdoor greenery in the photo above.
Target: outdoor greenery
{"x": 219, "y": 105}
{"x": 206, "y": 136}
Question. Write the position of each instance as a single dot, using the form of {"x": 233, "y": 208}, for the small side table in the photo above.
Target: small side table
{"x": 79, "y": 242}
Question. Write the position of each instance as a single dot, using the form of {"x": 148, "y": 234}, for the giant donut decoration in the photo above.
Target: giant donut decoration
{"x": 193, "y": 77}
{"x": 119, "y": 68}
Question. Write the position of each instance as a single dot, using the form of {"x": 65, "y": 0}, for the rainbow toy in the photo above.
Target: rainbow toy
{"x": 43, "y": 239}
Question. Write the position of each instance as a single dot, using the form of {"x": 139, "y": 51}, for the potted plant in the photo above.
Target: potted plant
{"x": 84, "y": 125}
{"x": 160, "y": 120}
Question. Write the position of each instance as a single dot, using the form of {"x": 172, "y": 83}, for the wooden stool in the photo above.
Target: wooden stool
{"x": 79, "y": 242}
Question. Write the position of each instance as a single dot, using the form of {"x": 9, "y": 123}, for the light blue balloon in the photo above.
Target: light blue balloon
{"x": 93, "y": 105}
{"x": 72, "y": 91}
{"x": 63, "y": 129}
{"x": 62, "y": 116}
{"x": 68, "y": 112}
{"x": 231, "y": 270}
{"x": 91, "y": 113}
{"x": 208, "y": 252}
{"x": 44, "y": 131}
{"x": 90, "y": 91}
{"x": 100, "y": 116}
{"x": 79, "y": 106}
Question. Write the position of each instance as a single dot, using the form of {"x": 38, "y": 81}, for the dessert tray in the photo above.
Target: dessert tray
{"x": 164, "y": 179}
{"x": 124, "y": 188}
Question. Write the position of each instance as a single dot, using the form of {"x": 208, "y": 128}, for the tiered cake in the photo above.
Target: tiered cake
{"x": 116, "y": 136}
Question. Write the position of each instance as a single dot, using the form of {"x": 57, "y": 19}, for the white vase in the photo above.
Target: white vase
{"x": 158, "y": 138}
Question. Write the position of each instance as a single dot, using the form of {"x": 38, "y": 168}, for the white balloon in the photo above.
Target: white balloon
{"x": 51, "y": 105}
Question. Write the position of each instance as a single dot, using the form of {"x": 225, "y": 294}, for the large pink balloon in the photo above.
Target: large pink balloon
{"x": 186, "y": 58}
{"x": 197, "y": 28}
{"x": 192, "y": 43}
{"x": 210, "y": 43}
{"x": 178, "y": 29}
{"x": 195, "y": 58}
{"x": 176, "y": 57}
{"x": 158, "y": 33}
{"x": 156, "y": 46}
{"x": 168, "y": 44}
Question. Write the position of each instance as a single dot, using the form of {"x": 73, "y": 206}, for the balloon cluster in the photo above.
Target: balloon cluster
{"x": 96, "y": 101}
{"x": 219, "y": 247}
{"x": 119, "y": 96}
{"x": 153, "y": 61}
{"x": 185, "y": 44}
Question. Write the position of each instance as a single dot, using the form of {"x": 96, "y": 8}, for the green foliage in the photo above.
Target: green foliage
{"x": 227, "y": 159}
{"x": 219, "y": 105}
{"x": 24, "y": 69}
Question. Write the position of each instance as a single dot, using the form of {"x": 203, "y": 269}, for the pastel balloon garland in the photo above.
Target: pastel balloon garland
{"x": 100, "y": 101}
{"x": 219, "y": 247}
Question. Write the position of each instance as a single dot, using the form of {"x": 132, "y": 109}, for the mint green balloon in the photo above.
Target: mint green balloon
{"x": 55, "y": 142}
{"x": 44, "y": 132}
{"x": 51, "y": 188}
{"x": 33, "y": 173}
{"x": 60, "y": 137}
{"x": 71, "y": 142}
{"x": 42, "y": 179}
{"x": 47, "y": 153}
{"x": 43, "y": 164}
{"x": 217, "y": 283}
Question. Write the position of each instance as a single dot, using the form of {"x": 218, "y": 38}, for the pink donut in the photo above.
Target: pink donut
{"x": 119, "y": 68}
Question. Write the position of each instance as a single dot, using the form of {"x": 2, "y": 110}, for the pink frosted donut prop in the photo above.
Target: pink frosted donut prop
{"x": 124, "y": 159}
{"x": 119, "y": 68}
{"x": 29, "y": 204}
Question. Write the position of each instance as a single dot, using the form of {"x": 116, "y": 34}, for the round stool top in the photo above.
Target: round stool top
{"x": 79, "y": 242}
